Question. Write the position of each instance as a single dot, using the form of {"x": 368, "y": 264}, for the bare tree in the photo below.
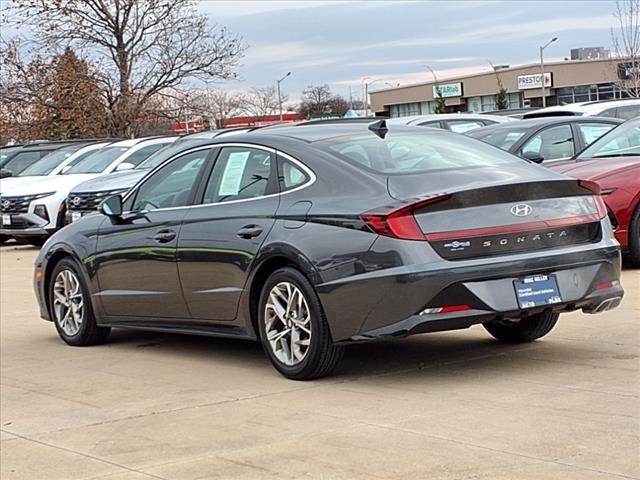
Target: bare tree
{"x": 262, "y": 101}
{"x": 140, "y": 48}
{"x": 316, "y": 100}
{"x": 222, "y": 105}
{"x": 626, "y": 45}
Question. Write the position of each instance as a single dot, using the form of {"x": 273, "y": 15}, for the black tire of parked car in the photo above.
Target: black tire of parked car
{"x": 36, "y": 241}
{"x": 526, "y": 330}
{"x": 323, "y": 355}
{"x": 634, "y": 238}
{"x": 89, "y": 333}
{"x": 3, "y": 239}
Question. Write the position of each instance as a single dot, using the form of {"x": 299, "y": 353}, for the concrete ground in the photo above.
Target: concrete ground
{"x": 438, "y": 406}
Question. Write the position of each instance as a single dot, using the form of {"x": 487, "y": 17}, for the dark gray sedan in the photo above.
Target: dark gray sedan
{"x": 546, "y": 139}
{"x": 311, "y": 237}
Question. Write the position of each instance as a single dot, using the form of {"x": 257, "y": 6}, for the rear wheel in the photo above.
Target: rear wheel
{"x": 526, "y": 330}
{"x": 634, "y": 238}
{"x": 3, "y": 239}
{"x": 293, "y": 328}
{"x": 70, "y": 306}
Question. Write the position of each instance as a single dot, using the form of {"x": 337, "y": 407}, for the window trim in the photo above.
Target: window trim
{"x": 216, "y": 147}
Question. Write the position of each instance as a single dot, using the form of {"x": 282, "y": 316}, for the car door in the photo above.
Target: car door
{"x": 553, "y": 143}
{"x": 221, "y": 237}
{"x": 136, "y": 260}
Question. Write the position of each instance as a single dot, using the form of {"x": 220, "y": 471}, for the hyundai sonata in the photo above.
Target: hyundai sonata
{"x": 311, "y": 237}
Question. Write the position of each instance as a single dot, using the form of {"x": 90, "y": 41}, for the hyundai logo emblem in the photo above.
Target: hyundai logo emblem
{"x": 76, "y": 201}
{"x": 6, "y": 204}
{"x": 521, "y": 210}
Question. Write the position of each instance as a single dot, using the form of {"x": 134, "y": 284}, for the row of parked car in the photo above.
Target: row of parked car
{"x": 51, "y": 184}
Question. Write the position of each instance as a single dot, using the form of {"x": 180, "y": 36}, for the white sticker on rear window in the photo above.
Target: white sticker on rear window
{"x": 233, "y": 171}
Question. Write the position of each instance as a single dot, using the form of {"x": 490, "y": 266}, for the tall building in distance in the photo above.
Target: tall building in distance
{"x": 589, "y": 53}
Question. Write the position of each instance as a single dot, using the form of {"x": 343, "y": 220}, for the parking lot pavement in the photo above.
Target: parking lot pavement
{"x": 438, "y": 406}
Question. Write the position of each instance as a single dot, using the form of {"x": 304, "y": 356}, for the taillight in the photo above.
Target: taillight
{"x": 594, "y": 188}
{"x": 400, "y": 222}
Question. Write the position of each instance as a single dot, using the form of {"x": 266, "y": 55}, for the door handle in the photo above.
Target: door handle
{"x": 250, "y": 231}
{"x": 164, "y": 236}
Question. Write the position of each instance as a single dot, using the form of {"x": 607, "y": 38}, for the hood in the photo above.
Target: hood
{"x": 12, "y": 182}
{"x": 404, "y": 187}
{"x": 55, "y": 183}
{"x": 112, "y": 181}
{"x": 598, "y": 168}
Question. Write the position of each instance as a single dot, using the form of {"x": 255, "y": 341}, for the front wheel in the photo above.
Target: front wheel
{"x": 526, "y": 330}
{"x": 70, "y": 306}
{"x": 634, "y": 238}
{"x": 293, "y": 327}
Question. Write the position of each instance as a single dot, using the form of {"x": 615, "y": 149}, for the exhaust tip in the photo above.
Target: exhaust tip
{"x": 605, "y": 305}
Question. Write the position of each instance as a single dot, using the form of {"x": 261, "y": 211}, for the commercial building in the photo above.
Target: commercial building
{"x": 565, "y": 82}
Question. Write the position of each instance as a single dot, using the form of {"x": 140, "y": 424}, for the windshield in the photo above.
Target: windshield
{"x": 46, "y": 165}
{"x": 97, "y": 162}
{"x": 406, "y": 153}
{"x": 502, "y": 138}
{"x": 622, "y": 141}
{"x": 5, "y": 152}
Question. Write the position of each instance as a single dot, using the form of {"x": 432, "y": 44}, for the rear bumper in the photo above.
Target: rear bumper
{"x": 388, "y": 302}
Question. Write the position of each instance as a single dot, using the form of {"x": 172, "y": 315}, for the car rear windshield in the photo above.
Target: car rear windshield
{"x": 502, "y": 138}
{"x": 622, "y": 141}
{"x": 46, "y": 165}
{"x": 404, "y": 153}
{"x": 97, "y": 162}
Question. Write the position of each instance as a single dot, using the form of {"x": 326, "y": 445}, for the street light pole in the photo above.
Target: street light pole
{"x": 280, "y": 96}
{"x": 544, "y": 94}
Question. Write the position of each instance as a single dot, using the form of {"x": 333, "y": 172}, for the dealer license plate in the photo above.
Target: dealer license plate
{"x": 6, "y": 219}
{"x": 537, "y": 290}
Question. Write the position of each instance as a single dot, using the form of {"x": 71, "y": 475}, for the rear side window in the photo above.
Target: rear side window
{"x": 503, "y": 139}
{"x": 461, "y": 126}
{"x": 291, "y": 176}
{"x": 593, "y": 131}
{"x": 240, "y": 173}
{"x": 406, "y": 153}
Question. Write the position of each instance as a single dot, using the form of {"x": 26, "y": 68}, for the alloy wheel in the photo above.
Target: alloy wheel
{"x": 288, "y": 323}
{"x": 68, "y": 304}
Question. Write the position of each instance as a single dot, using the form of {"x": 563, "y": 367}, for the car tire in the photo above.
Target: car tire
{"x": 74, "y": 318}
{"x": 634, "y": 238}
{"x": 35, "y": 241}
{"x": 289, "y": 302}
{"x": 526, "y": 330}
{"x": 4, "y": 238}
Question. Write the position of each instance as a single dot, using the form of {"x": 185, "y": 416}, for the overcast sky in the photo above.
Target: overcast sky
{"x": 340, "y": 42}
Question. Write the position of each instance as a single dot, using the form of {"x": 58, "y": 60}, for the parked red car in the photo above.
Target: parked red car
{"x": 613, "y": 162}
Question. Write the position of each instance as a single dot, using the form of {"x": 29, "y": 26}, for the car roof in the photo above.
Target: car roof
{"x": 530, "y": 123}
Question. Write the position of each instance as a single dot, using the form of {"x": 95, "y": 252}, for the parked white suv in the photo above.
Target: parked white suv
{"x": 33, "y": 211}
{"x": 624, "y": 109}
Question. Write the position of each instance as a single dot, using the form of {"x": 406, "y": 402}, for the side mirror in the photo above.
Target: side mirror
{"x": 111, "y": 206}
{"x": 5, "y": 173}
{"x": 125, "y": 166}
{"x": 533, "y": 157}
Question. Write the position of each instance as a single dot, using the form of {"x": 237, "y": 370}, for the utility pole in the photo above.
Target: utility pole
{"x": 544, "y": 93}
{"x": 280, "y": 96}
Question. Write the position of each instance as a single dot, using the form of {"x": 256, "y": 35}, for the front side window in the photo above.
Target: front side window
{"x": 628, "y": 112}
{"x": 624, "y": 140}
{"x": 593, "y": 131}
{"x": 501, "y": 138}
{"x": 240, "y": 173}
{"x": 172, "y": 185}
{"x": 552, "y": 143}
